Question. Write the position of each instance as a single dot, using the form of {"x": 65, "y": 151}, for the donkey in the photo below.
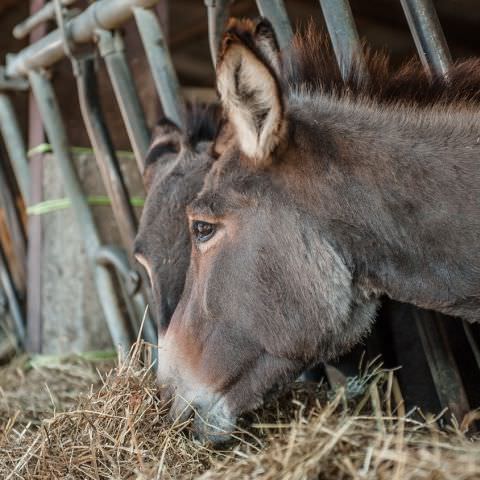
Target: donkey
{"x": 175, "y": 167}
{"x": 329, "y": 196}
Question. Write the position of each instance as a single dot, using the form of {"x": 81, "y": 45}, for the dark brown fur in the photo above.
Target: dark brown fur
{"x": 368, "y": 191}
{"x": 310, "y": 63}
{"x": 175, "y": 167}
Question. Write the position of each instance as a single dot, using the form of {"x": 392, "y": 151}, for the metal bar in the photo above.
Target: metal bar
{"x": 7, "y": 83}
{"x": 44, "y": 14}
{"x": 160, "y": 62}
{"x": 344, "y": 36}
{"x": 16, "y": 232}
{"x": 276, "y": 13}
{"x": 217, "y": 14}
{"x": 112, "y": 177}
{"x": 428, "y": 35}
{"x": 115, "y": 258}
{"x": 47, "y": 103}
{"x": 446, "y": 377}
{"x": 104, "y": 150}
{"x": 472, "y": 342}
{"x": 103, "y": 14}
{"x": 112, "y": 50}
{"x": 15, "y": 145}
{"x": 13, "y": 302}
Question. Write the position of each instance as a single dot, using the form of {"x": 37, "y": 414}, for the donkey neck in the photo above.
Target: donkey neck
{"x": 397, "y": 189}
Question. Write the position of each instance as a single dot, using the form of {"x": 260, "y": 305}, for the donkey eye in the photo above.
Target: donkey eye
{"x": 203, "y": 231}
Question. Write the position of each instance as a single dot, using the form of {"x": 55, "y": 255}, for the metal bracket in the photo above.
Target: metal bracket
{"x": 45, "y": 14}
{"x": 71, "y": 49}
{"x": 108, "y": 42}
{"x": 7, "y": 83}
{"x": 116, "y": 257}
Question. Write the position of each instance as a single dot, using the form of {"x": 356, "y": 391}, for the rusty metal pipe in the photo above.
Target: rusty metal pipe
{"x": 104, "y": 151}
{"x": 16, "y": 230}
{"x": 12, "y": 298}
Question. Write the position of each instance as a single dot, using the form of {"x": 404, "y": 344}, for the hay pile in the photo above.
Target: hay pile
{"x": 118, "y": 430}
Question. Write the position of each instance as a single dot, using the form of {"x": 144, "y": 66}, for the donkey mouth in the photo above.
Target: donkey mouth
{"x": 214, "y": 426}
{"x": 213, "y": 422}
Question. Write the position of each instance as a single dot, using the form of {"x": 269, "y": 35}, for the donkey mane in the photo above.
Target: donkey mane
{"x": 310, "y": 64}
{"x": 202, "y": 122}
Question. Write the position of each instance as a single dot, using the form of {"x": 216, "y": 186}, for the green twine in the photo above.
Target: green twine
{"x": 47, "y": 148}
{"x": 62, "y": 203}
{"x": 56, "y": 204}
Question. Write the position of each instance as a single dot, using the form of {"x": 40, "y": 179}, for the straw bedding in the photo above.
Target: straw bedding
{"x": 80, "y": 418}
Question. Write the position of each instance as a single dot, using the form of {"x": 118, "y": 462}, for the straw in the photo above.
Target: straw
{"x": 118, "y": 429}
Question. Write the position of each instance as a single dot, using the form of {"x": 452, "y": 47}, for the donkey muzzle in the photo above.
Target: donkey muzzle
{"x": 213, "y": 422}
{"x": 214, "y": 425}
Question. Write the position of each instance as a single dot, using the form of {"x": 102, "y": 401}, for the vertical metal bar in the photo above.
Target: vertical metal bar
{"x": 344, "y": 36}
{"x": 160, "y": 62}
{"x": 276, "y": 13}
{"x": 446, "y": 377}
{"x": 112, "y": 50}
{"x": 16, "y": 231}
{"x": 104, "y": 151}
{"x": 472, "y": 342}
{"x": 13, "y": 302}
{"x": 15, "y": 145}
{"x": 217, "y": 14}
{"x": 428, "y": 35}
{"x": 48, "y": 106}
{"x": 109, "y": 167}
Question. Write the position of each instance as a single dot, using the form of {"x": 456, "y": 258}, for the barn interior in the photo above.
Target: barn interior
{"x": 439, "y": 356}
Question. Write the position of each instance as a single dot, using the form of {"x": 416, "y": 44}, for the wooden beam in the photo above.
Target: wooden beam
{"x": 36, "y": 136}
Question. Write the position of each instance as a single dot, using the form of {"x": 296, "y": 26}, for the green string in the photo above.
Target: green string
{"x": 56, "y": 204}
{"x": 62, "y": 203}
{"x": 47, "y": 148}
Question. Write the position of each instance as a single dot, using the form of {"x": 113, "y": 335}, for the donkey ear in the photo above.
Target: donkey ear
{"x": 250, "y": 89}
{"x": 167, "y": 139}
{"x": 266, "y": 41}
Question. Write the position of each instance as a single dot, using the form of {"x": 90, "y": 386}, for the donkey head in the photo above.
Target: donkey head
{"x": 175, "y": 167}
{"x": 267, "y": 292}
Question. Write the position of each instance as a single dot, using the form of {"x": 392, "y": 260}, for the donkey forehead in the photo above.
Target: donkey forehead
{"x": 216, "y": 204}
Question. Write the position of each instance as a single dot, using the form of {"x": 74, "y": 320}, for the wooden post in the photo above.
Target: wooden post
{"x": 36, "y": 136}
